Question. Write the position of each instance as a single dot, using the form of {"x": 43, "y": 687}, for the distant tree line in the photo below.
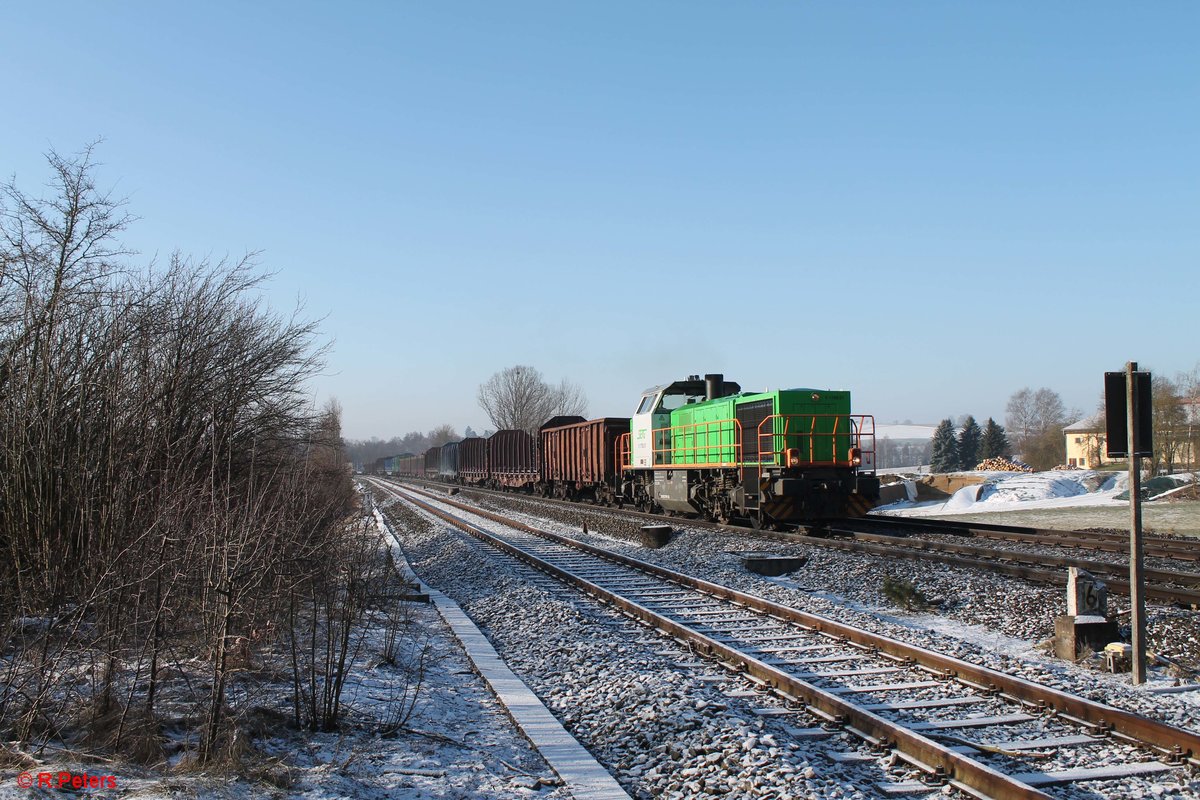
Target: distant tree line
{"x": 1176, "y": 420}
{"x": 1034, "y": 420}
{"x": 891, "y": 453}
{"x": 516, "y": 398}
{"x": 365, "y": 451}
{"x": 950, "y": 452}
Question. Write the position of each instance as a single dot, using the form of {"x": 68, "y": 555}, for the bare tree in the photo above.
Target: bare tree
{"x": 1189, "y": 387}
{"x": 1020, "y": 417}
{"x": 517, "y": 398}
{"x": 1049, "y": 413}
{"x": 163, "y": 477}
{"x": 1035, "y": 419}
{"x": 441, "y": 435}
{"x": 568, "y": 399}
{"x": 1170, "y": 423}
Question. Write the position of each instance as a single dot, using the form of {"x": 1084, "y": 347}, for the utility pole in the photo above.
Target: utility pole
{"x": 1137, "y": 599}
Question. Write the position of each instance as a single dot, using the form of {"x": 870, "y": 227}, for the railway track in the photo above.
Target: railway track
{"x": 1168, "y": 586}
{"x": 1157, "y": 546}
{"x": 1175, "y": 587}
{"x": 957, "y": 722}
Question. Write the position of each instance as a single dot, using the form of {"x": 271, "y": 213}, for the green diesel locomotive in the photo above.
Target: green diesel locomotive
{"x": 785, "y": 456}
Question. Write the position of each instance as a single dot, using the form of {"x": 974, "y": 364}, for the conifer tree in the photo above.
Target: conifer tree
{"x": 994, "y": 442}
{"x": 944, "y": 449}
{"x": 968, "y": 444}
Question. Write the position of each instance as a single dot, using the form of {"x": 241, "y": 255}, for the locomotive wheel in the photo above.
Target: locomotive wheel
{"x": 761, "y": 522}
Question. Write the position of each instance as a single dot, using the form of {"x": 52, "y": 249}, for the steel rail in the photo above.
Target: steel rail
{"x": 887, "y": 546}
{"x": 1021, "y": 556}
{"x": 1174, "y": 743}
{"x": 1178, "y": 577}
{"x": 928, "y": 755}
{"x": 1159, "y": 546}
{"x": 1186, "y": 597}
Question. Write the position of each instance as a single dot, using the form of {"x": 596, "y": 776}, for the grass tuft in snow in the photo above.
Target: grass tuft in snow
{"x": 904, "y": 593}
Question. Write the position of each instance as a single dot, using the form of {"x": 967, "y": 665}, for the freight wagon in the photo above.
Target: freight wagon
{"x": 473, "y": 461}
{"x": 448, "y": 462}
{"x": 579, "y": 458}
{"x": 410, "y": 466}
{"x": 432, "y": 462}
{"x": 512, "y": 460}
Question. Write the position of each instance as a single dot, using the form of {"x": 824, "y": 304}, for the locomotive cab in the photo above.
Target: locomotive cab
{"x": 651, "y": 423}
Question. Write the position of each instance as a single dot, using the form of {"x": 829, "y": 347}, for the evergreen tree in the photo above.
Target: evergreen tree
{"x": 943, "y": 455}
{"x": 968, "y": 444}
{"x": 994, "y": 443}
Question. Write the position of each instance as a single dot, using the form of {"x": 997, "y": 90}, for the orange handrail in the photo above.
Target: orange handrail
{"x": 667, "y": 451}
{"x": 860, "y": 439}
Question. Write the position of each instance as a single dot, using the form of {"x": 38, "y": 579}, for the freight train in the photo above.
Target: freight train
{"x": 695, "y": 447}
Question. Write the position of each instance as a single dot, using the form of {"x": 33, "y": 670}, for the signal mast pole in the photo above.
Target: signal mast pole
{"x": 1137, "y": 599}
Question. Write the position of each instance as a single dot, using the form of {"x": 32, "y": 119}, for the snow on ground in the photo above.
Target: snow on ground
{"x": 458, "y": 743}
{"x": 897, "y": 431}
{"x": 1056, "y": 499}
{"x": 1029, "y": 491}
{"x": 1014, "y": 491}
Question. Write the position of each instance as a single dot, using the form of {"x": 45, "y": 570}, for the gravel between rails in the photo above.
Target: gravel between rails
{"x": 1152, "y": 562}
{"x": 847, "y": 587}
{"x": 680, "y": 767}
{"x": 664, "y": 730}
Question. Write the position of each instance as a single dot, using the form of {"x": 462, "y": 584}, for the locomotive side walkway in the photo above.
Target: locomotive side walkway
{"x": 582, "y": 775}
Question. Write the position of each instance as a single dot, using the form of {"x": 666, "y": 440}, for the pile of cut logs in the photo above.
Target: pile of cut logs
{"x": 999, "y": 464}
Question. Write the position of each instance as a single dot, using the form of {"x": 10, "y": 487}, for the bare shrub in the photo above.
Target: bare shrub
{"x": 904, "y": 593}
{"x": 166, "y": 488}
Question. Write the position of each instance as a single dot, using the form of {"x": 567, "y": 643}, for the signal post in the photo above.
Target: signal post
{"x": 1129, "y": 431}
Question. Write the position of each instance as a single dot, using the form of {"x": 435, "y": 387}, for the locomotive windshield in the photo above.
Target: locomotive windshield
{"x": 670, "y": 402}
{"x": 663, "y": 402}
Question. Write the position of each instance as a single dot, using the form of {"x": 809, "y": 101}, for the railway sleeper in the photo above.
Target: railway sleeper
{"x": 971, "y": 771}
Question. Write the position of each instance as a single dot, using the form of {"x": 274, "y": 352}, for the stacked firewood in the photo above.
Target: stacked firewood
{"x": 999, "y": 464}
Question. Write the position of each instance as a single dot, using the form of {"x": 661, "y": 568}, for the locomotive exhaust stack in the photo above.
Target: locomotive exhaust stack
{"x": 714, "y": 386}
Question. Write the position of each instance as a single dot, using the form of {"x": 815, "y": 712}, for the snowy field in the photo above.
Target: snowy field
{"x": 1070, "y": 499}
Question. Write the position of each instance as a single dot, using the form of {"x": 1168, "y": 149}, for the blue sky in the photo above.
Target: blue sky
{"x": 931, "y": 205}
